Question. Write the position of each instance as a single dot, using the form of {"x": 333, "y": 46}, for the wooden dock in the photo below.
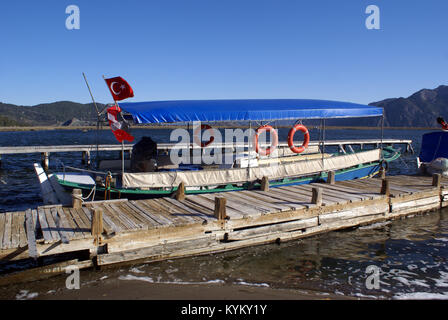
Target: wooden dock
{"x": 117, "y": 231}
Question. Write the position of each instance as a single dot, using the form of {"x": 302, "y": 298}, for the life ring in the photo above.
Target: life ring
{"x": 306, "y": 139}
{"x": 196, "y": 135}
{"x": 274, "y": 137}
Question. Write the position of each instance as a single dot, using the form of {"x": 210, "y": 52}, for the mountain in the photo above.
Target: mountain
{"x": 47, "y": 114}
{"x": 419, "y": 110}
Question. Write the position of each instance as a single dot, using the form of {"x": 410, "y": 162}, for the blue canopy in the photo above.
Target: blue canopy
{"x": 434, "y": 145}
{"x": 245, "y": 110}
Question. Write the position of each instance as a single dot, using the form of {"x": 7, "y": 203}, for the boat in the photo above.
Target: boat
{"x": 251, "y": 160}
{"x": 433, "y": 157}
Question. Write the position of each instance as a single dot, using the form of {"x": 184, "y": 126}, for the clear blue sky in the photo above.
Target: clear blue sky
{"x": 217, "y": 49}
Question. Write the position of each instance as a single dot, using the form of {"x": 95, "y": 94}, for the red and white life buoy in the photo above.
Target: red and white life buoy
{"x": 274, "y": 138}
{"x": 196, "y": 135}
{"x": 306, "y": 139}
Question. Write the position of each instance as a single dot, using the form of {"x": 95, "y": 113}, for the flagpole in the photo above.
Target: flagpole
{"x": 122, "y": 141}
{"x": 97, "y": 120}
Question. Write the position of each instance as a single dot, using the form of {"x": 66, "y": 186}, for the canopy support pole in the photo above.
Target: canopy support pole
{"x": 97, "y": 121}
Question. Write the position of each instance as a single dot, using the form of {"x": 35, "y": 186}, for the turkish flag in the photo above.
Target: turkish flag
{"x": 119, "y": 128}
{"x": 119, "y": 88}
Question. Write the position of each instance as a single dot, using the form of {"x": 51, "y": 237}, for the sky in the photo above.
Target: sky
{"x": 222, "y": 49}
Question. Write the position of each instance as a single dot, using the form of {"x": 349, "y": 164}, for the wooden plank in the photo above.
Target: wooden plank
{"x": 108, "y": 223}
{"x": 118, "y": 226}
{"x": 270, "y": 229}
{"x": 52, "y": 224}
{"x": 125, "y": 222}
{"x": 153, "y": 215}
{"x": 366, "y": 183}
{"x": 273, "y": 198}
{"x": 288, "y": 199}
{"x": 328, "y": 194}
{"x": 293, "y": 196}
{"x": 189, "y": 209}
{"x": 234, "y": 205}
{"x": 36, "y": 223}
{"x": 154, "y": 212}
{"x": 144, "y": 217}
{"x": 30, "y": 234}
{"x": 2, "y": 228}
{"x": 401, "y": 189}
{"x": 177, "y": 211}
{"x": 22, "y": 230}
{"x": 240, "y": 205}
{"x": 209, "y": 203}
{"x": 72, "y": 215}
{"x": 63, "y": 234}
{"x": 76, "y": 230}
{"x": 15, "y": 236}
{"x": 326, "y": 200}
{"x": 164, "y": 211}
{"x": 48, "y": 237}
{"x": 397, "y": 206}
{"x": 142, "y": 220}
{"x": 8, "y": 231}
{"x": 329, "y": 188}
{"x": 299, "y": 194}
{"x": 354, "y": 191}
{"x": 409, "y": 181}
{"x": 82, "y": 220}
{"x": 257, "y": 196}
{"x": 206, "y": 210}
{"x": 364, "y": 186}
{"x": 134, "y": 222}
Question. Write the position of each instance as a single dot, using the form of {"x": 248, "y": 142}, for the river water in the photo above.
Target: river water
{"x": 409, "y": 255}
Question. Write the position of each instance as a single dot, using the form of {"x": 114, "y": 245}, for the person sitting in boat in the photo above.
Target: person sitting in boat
{"x": 145, "y": 157}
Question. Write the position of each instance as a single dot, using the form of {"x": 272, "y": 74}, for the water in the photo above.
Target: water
{"x": 410, "y": 254}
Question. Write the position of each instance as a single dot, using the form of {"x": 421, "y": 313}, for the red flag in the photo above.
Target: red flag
{"x": 118, "y": 128}
{"x": 119, "y": 88}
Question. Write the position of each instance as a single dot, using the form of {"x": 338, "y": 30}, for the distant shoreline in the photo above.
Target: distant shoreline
{"x": 105, "y": 127}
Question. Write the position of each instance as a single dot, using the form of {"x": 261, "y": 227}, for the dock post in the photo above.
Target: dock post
{"x": 220, "y": 208}
{"x": 317, "y": 196}
{"x": 97, "y": 224}
{"x": 179, "y": 195}
{"x": 385, "y": 187}
{"x": 331, "y": 177}
{"x": 76, "y": 198}
{"x": 45, "y": 160}
{"x": 265, "y": 184}
{"x": 436, "y": 179}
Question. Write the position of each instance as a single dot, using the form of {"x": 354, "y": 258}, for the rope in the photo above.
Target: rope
{"x": 80, "y": 197}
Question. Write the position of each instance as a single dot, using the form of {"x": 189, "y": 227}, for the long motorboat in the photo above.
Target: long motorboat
{"x": 240, "y": 165}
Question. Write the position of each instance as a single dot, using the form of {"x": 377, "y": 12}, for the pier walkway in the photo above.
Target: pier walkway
{"x": 85, "y": 150}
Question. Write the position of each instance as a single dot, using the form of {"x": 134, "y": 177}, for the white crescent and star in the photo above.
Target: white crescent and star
{"x": 112, "y": 88}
